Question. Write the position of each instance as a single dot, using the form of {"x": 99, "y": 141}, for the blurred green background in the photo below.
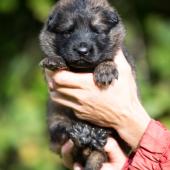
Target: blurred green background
{"x": 23, "y": 92}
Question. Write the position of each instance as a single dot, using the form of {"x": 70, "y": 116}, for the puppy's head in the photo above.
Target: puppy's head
{"x": 87, "y": 32}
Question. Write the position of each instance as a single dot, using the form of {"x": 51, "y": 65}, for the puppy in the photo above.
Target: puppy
{"x": 82, "y": 36}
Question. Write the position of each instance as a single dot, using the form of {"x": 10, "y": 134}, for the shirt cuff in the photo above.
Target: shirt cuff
{"x": 151, "y": 149}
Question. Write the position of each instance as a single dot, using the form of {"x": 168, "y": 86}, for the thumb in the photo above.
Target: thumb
{"x": 66, "y": 152}
{"x": 115, "y": 153}
{"x": 77, "y": 167}
{"x": 50, "y": 82}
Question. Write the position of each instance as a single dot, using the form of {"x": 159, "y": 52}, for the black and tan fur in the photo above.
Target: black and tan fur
{"x": 82, "y": 36}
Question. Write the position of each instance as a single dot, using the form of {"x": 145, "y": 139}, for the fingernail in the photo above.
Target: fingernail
{"x": 77, "y": 167}
{"x": 53, "y": 94}
{"x": 51, "y": 86}
{"x": 111, "y": 144}
{"x": 67, "y": 146}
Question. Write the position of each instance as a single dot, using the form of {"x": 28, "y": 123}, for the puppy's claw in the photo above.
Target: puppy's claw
{"x": 48, "y": 63}
{"x": 105, "y": 74}
{"x": 52, "y": 64}
{"x": 116, "y": 74}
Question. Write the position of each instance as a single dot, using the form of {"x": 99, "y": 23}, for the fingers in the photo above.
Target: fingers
{"x": 78, "y": 95}
{"x": 70, "y": 92}
{"x": 82, "y": 80}
{"x": 73, "y": 80}
{"x": 114, "y": 151}
{"x": 66, "y": 154}
{"x": 66, "y": 101}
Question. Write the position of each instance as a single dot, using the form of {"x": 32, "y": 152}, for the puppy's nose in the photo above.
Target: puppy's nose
{"x": 83, "y": 48}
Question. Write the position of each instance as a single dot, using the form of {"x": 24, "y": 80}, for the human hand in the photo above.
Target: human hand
{"x": 116, "y": 156}
{"x": 117, "y": 106}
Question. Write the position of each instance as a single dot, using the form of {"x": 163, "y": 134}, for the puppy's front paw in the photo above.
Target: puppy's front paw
{"x": 53, "y": 64}
{"x": 105, "y": 73}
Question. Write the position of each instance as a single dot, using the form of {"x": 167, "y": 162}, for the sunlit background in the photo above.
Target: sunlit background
{"x": 23, "y": 92}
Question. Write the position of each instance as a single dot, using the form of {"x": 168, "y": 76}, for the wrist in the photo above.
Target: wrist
{"x": 133, "y": 124}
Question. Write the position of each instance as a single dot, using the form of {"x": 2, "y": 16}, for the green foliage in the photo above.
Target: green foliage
{"x": 8, "y": 5}
{"x": 23, "y": 92}
{"x": 159, "y": 50}
{"x": 40, "y": 8}
{"x": 156, "y": 95}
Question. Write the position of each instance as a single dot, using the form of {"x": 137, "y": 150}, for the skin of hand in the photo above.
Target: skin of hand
{"x": 117, "y": 106}
{"x": 116, "y": 156}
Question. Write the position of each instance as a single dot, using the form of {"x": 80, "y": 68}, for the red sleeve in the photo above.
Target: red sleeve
{"x": 153, "y": 152}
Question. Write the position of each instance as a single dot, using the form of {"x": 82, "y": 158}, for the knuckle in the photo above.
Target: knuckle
{"x": 51, "y": 86}
{"x": 58, "y": 78}
{"x": 79, "y": 115}
{"x": 83, "y": 98}
{"x": 87, "y": 97}
{"x": 53, "y": 96}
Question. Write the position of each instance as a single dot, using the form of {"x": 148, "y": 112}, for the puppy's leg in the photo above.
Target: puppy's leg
{"x": 58, "y": 124}
{"x": 104, "y": 74}
{"x": 52, "y": 61}
{"x": 95, "y": 160}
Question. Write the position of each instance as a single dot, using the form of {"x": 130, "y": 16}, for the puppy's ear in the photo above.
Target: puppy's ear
{"x": 111, "y": 18}
{"x": 52, "y": 22}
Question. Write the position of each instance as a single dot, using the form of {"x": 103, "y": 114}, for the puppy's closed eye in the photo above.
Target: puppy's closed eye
{"x": 100, "y": 29}
{"x": 66, "y": 32}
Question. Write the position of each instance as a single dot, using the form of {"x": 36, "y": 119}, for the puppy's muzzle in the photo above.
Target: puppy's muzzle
{"x": 83, "y": 49}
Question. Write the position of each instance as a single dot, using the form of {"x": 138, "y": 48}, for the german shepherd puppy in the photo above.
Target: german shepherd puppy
{"x": 81, "y": 36}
